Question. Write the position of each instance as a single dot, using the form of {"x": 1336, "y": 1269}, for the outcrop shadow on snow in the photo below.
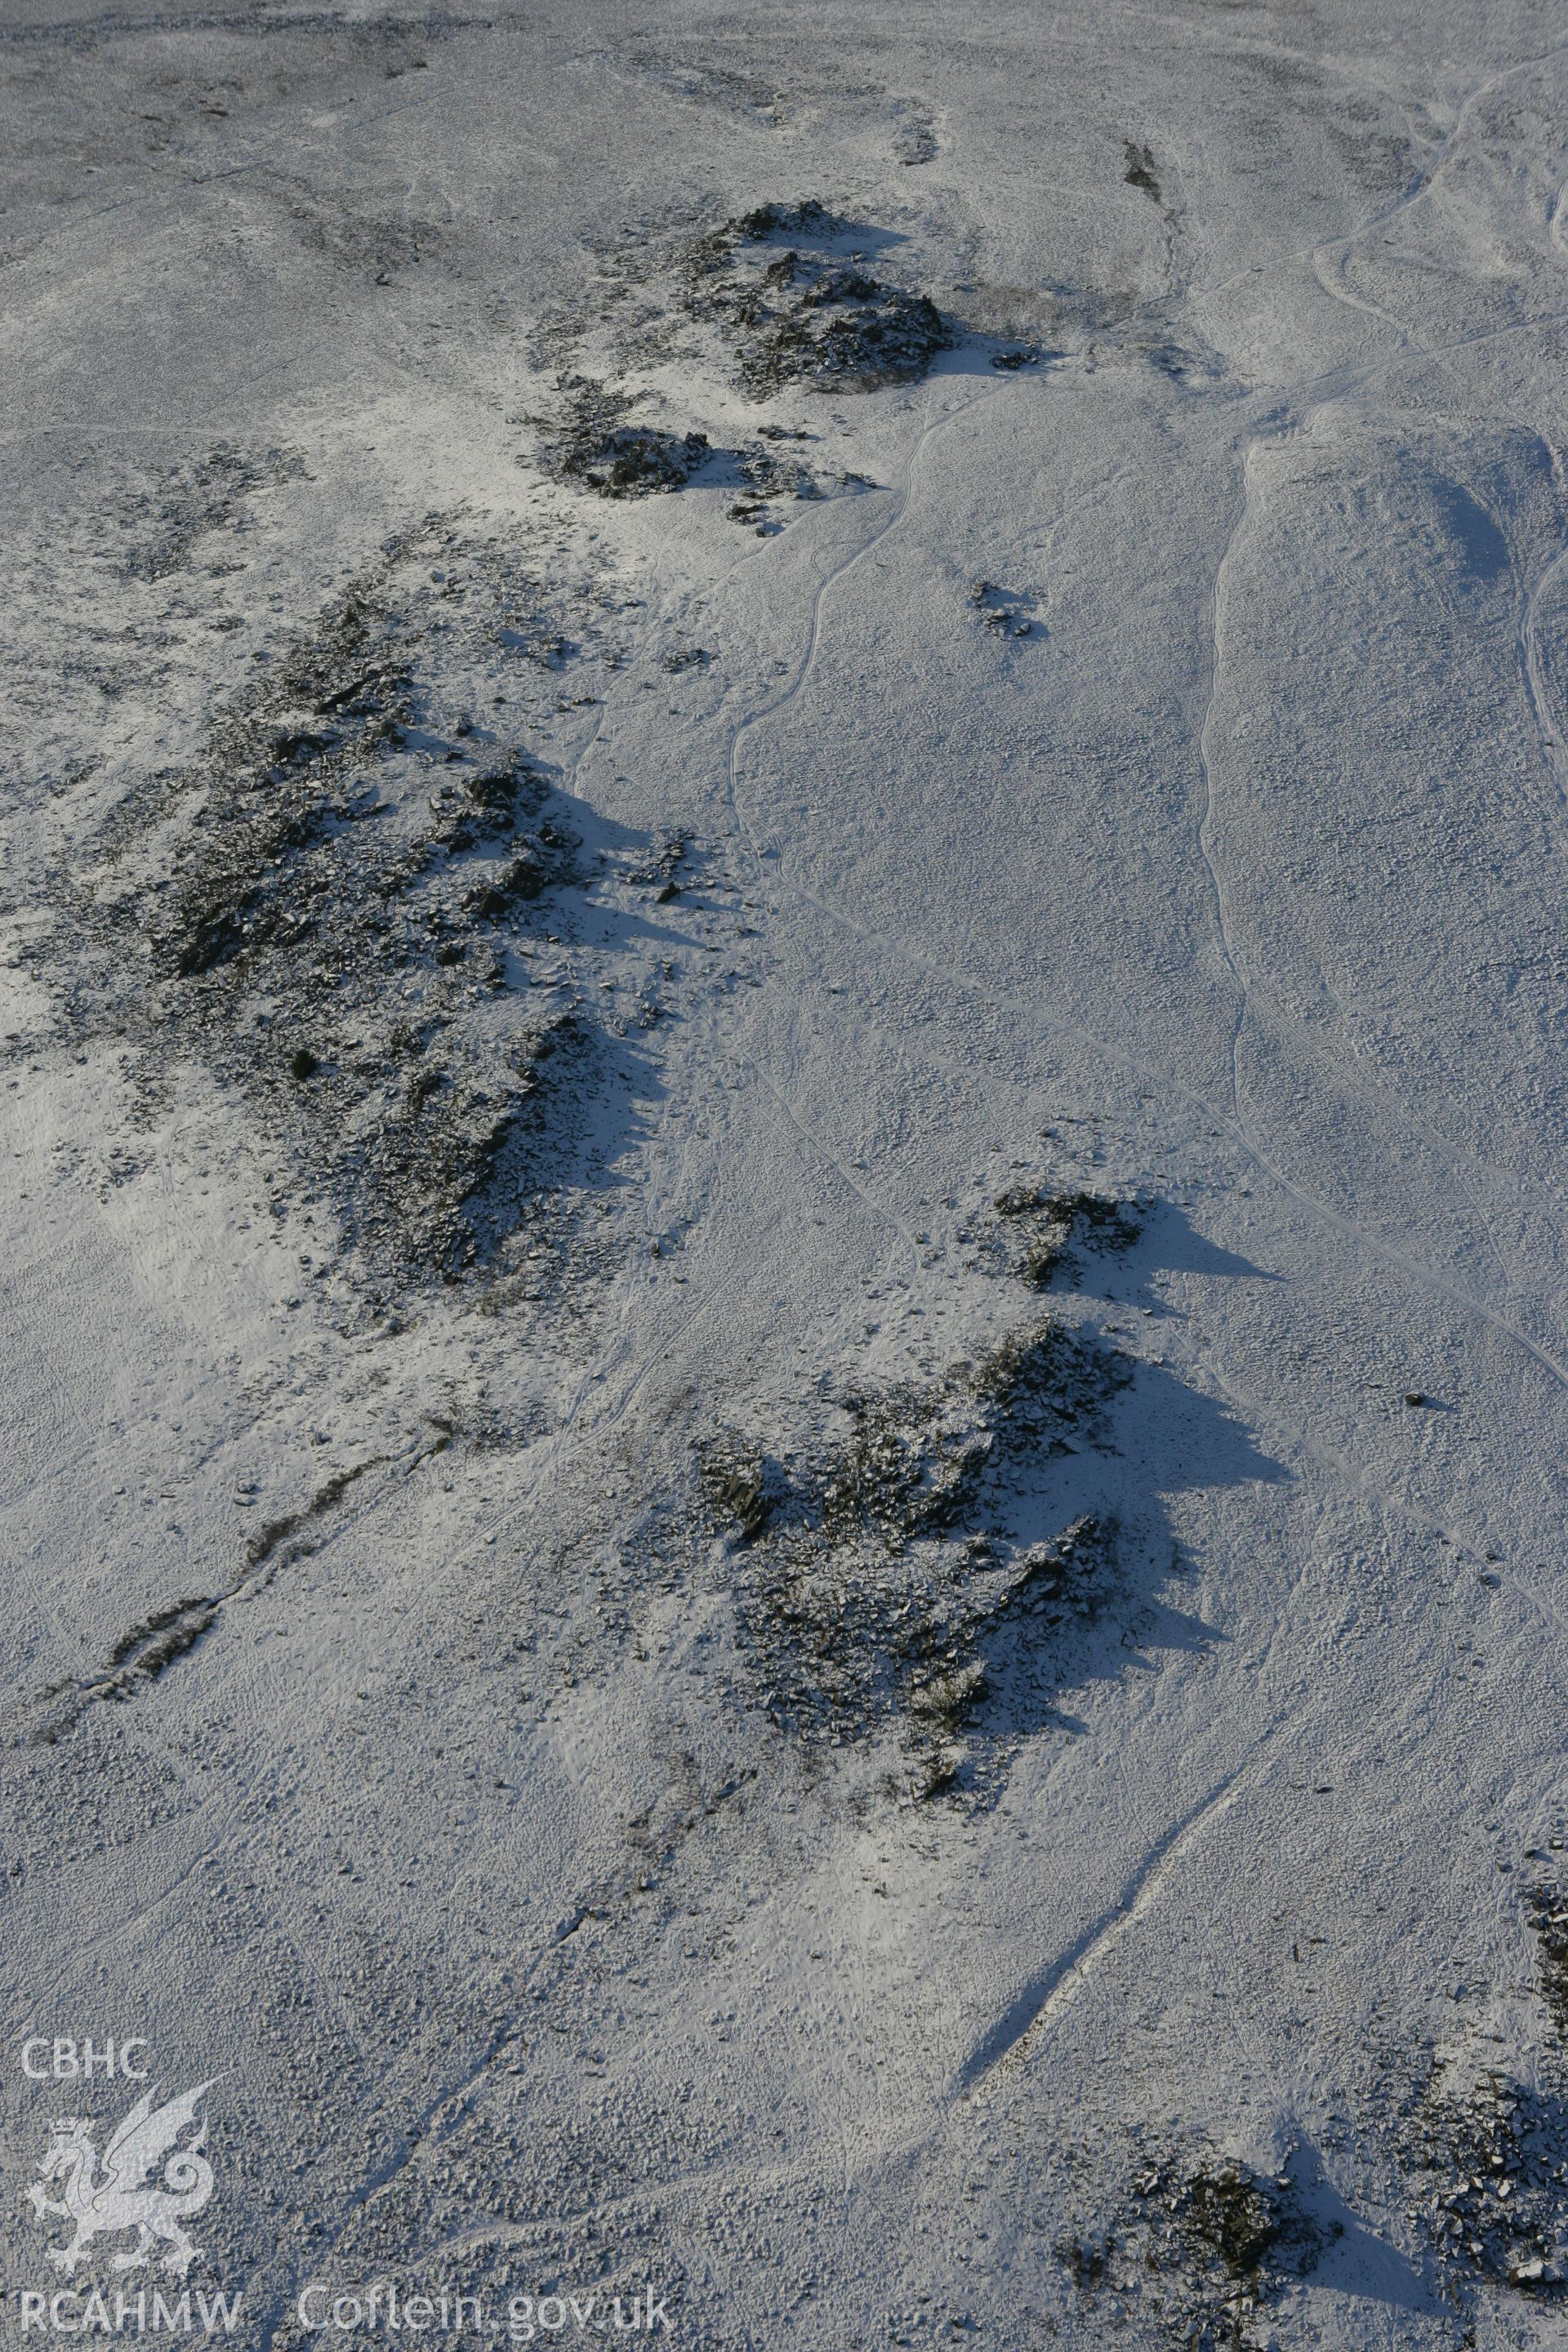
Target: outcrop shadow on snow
{"x": 943, "y": 1562}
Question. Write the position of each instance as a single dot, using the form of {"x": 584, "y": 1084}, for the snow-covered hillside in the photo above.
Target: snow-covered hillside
{"x": 785, "y": 1318}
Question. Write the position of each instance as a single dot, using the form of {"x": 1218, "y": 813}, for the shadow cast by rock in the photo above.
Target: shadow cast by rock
{"x": 946, "y": 1560}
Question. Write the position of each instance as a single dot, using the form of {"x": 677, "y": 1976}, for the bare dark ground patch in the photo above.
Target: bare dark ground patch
{"x": 144, "y": 1653}
{"x": 165, "y": 522}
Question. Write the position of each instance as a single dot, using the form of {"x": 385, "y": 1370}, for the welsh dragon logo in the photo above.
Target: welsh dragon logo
{"x": 123, "y": 2191}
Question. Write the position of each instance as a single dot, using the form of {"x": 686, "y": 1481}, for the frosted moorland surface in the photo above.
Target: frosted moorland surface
{"x": 785, "y": 1315}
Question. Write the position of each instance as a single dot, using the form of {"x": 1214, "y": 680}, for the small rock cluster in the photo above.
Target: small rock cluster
{"x": 325, "y": 910}
{"x": 885, "y": 1577}
{"x": 914, "y": 133}
{"x": 589, "y": 442}
{"x": 795, "y": 310}
{"x": 1040, "y": 1229}
{"x": 1491, "y": 2158}
{"x": 167, "y": 521}
{"x": 768, "y": 470}
{"x": 1001, "y": 613}
{"x": 1204, "y": 2246}
{"x": 1546, "y": 1907}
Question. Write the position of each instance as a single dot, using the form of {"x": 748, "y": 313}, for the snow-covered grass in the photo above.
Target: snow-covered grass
{"x": 786, "y": 1307}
